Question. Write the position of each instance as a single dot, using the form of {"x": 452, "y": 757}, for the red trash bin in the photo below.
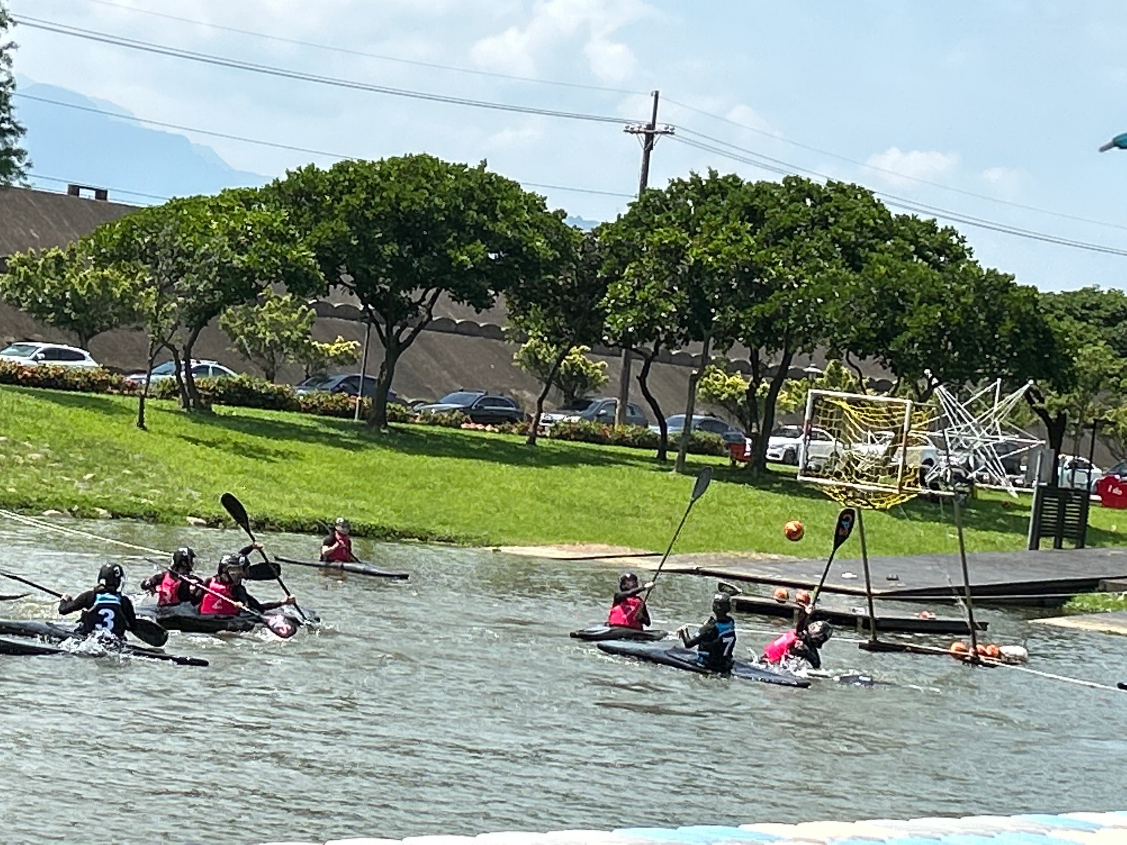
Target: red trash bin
{"x": 1112, "y": 491}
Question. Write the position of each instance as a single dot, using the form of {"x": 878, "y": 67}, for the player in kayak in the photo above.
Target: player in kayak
{"x": 802, "y": 643}
{"x": 627, "y": 610}
{"x": 715, "y": 642}
{"x": 226, "y": 587}
{"x": 104, "y": 609}
{"x": 175, "y": 584}
{"x": 337, "y": 547}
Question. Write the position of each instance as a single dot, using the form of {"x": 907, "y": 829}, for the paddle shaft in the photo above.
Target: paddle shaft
{"x": 227, "y": 599}
{"x": 668, "y": 549}
{"x": 239, "y": 514}
{"x": 40, "y": 587}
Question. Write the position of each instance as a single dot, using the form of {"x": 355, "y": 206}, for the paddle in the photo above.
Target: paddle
{"x": 704, "y": 478}
{"x": 279, "y": 625}
{"x": 238, "y": 513}
{"x": 14, "y": 598}
{"x": 845, "y": 521}
{"x": 145, "y": 629}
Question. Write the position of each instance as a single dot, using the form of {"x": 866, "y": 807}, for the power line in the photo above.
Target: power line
{"x": 888, "y": 171}
{"x": 44, "y": 178}
{"x": 773, "y": 166}
{"x": 361, "y": 53}
{"x": 284, "y": 73}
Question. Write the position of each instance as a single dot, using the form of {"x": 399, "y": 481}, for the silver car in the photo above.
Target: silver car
{"x": 33, "y": 354}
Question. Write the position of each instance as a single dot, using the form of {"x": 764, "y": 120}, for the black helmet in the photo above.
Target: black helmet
{"x": 233, "y": 566}
{"x": 627, "y": 581}
{"x": 721, "y": 604}
{"x": 110, "y": 576}
{"x": 819, "y": 632}
{"x": 342, "y": 525}
{"x": 182, "y": 560}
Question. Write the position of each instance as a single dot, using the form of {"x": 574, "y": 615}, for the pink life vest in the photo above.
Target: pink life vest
{"x": 343, "y": 552}
{"x": 168, "y": 590}
{"x": 778, "y": 650}
{"x": 625, "y": 613}
{"x": 214, "y": 605}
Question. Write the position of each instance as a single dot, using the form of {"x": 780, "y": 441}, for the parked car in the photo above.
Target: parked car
{"x": 594, "y": 410}
{"x": 1078, "y": 473}
{"x": 784, "y": 446}
{"x": 343, "y": 383}
{"x": 32, "y": 354}
{"x": 478, "y": 405}
{"x": 200, "y": 369}
{"x": 703, "y": 422}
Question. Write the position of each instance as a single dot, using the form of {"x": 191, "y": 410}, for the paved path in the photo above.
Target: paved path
{"x": 1032, "y": 829}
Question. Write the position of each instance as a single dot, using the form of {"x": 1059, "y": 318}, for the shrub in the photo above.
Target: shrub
{"x": 634, "y": 436}
{"x": 447, "y": 419}
{"x": 64, "y": 378}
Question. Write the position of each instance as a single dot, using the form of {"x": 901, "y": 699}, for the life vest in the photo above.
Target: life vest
{"x": 716, "y": 653}
{"x": 105, "y": 615}
{"x": 168, "y": 590}
{"x": 343, "y": 552}
{"x": 625, "y": 613}
{"x": 217, "y": 605}
{"x": 778, "y": 650}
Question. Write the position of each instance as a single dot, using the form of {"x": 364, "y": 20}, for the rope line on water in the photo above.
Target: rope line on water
{"x": 75, "y": 532}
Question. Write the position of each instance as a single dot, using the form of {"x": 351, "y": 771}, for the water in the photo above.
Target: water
{"x": 456, "y": 703}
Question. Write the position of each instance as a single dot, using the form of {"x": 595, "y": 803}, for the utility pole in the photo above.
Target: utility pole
{"x": 649, "y": 132}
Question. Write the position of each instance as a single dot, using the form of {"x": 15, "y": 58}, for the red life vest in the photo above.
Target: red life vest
{"x": 214, "y": 605}
{"x": 343, "y": 552}
{"x": 779, "y": 649}
{"x": 625, "y": 613}
{"x": 168, "y": 590}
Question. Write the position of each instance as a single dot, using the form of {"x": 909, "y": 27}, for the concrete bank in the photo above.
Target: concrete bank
{"x": 1027, "y": 829}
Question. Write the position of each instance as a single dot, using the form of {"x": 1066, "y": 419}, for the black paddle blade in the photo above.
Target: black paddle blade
{"x": 704, "y": 478}
{"x": 238, "y": 513}
{"x": 845, "y": 522}
{"x": 730, "y": 589}
{"x": 150, "y": 632}
{"x": 264, "y": 570}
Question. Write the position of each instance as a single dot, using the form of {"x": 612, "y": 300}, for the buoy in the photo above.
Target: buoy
{"x": 959, "y": 647}
{"x": 782, "y": 595}
{"x": 981, "y": 650}
{"x": 802, "y": 597}
{"x": 1014, "y": 654}
{"x": 925, "y": 614}
{"x": 794, "y": 530}
{"x": 993, "y": 651}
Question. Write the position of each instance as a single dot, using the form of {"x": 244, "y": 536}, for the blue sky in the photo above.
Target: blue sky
{"x": 1002, "y": 101}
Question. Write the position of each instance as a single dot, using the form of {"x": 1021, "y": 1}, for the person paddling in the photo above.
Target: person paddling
{"x": 628, "y": 610}
{"x": 337, "y": 547}
{"x": 226, "y": 586}
{"x": 800, "y": 643}
{"x": 104, "y": 608}
{"x": 715, "y": 642}
{"x": 175, "y": 584}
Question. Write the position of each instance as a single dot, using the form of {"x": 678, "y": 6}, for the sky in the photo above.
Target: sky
{"x": 992, "y": 111}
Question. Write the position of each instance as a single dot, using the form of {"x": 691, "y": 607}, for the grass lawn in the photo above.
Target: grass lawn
{"x": 79, "y": 453}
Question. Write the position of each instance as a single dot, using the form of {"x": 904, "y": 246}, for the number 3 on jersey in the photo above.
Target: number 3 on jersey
{"x": 107, "y": 620}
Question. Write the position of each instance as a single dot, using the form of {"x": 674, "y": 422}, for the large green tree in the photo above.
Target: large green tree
{"x": 270, "y": 331}
{"x": 402, "y": 232}
{"x": 13, "y": 159}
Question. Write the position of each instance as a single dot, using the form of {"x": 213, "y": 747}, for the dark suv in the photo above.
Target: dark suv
{"x": 478, "y": 405}
{"x": 344, "y": 383}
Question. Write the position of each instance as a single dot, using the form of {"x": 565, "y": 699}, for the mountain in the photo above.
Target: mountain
{"x": 102, "y": 149}
{"x": 581, "y": 223}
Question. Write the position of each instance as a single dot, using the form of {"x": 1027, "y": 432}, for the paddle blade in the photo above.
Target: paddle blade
{"x": 150, "y": 632}
{"x": 704, "y": 478}
{"x": 234, "y": 507}
{"x": 264, "y": 570}
{"x": 280, "y": 626}
{"x": 845, "y": 522}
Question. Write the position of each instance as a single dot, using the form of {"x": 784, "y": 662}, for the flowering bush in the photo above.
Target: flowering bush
{"x": 64, "y": 378}
{"x": 634, "y": 436}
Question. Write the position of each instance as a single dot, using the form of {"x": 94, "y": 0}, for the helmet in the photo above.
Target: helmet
{"x": 182, "y": 560}
{"x": 233, "y": 566}
{"x": 627, "y": 581}
{"x": 342, "y": 525}
{"x": 110, "y": 576}
{"x": 721, "y": 604}
{"x": 819, "y": 632}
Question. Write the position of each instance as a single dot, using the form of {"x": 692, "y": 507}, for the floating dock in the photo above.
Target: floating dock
{"x": 857, "y": 617}
{"x": 1030, "y": 829}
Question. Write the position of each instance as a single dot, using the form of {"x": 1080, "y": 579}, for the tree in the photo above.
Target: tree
{"x": 319, "y": 357}
{"x": 792, "y": 398}
{"x": 64, "y": 289}
{"x": 402, "y": 232}
{"x": 268, "y": 332}
{"x": 729, "y": 390}
{"x": 13, "y": 160}
{"x": 200, "y": 256}
{"x": 562, "y": 317}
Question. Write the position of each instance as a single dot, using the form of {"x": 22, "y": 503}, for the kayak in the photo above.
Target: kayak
{"x": 55, "y": 631}
{"x": 357, "y": 568}
{"x": 683, "y": 658}
{"x": 618, "y": 632}
{"x": 36, "y": 648}
{"x": 187, "y": 618}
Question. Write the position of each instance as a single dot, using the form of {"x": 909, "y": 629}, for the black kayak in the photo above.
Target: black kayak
{"x": 683, "y": 658}
{"x": 187, "y": 618}
{"x": 357, "y": 568}
{"x": 55, "y": 631}
{"x": 37, "y": 648}
{"x": 618, "y": 632}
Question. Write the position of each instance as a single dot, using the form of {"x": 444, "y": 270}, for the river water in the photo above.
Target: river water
{"x": 456, "y": 703}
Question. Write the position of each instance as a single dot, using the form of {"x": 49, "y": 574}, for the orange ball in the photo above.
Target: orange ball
{"x": 782, "y": 595}
{"x": 959, "y": 647}
{"x": 794, "y": 530}
{"x": 993, "y": 651}
{"x": 802, "y": 597}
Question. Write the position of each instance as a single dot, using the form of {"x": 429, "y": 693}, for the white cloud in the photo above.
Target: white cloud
{"x": 507, "y": 52}
{"x": 747, "y": 116}
{"x": 609, "y": 61}
{"x": 1004, "y": 181}
{"x": 903, "y": 168}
